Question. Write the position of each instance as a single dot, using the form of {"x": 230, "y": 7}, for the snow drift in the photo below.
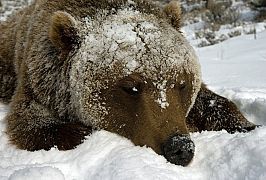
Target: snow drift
{"x": 104, "y": 155}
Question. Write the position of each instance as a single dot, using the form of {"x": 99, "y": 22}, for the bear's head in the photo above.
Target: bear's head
{"x": 132, "y": 73}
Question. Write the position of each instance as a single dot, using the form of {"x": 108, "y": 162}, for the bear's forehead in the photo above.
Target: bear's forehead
{"x": 130, "y": 41}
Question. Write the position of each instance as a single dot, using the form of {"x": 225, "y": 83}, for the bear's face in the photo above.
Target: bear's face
{"x": 145, "y": 113}
{"x": 133, "y": 74}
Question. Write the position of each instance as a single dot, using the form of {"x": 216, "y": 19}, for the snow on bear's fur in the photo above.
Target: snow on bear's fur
{"x": 126, "y": 43}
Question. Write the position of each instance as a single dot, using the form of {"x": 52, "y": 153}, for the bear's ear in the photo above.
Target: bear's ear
{"x": 173, "y": 12}
{"x": 62, "y": 31}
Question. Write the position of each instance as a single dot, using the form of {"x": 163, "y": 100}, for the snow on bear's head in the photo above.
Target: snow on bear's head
{"x": 134, "y": 74}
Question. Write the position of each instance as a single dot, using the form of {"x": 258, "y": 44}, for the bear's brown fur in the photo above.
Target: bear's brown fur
{"x": 59, "y": 92}
{"x": 212, "y": 112}
{"x": 45, "y": 37}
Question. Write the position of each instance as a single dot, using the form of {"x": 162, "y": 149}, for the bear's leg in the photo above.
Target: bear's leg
{"x": 7, "y": 81}
{"x": 32, "y": 126}
{"x": 213, "y": 113}
{"x": 7, "y": 69}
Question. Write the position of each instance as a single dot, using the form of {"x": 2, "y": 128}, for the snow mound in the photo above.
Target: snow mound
{"x": 41, "y": 173}
{"x": 221, "y": 155}
{"x": 104, "y": 155}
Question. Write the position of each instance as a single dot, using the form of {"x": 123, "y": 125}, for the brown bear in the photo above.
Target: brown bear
{"x": 69, "y": 67}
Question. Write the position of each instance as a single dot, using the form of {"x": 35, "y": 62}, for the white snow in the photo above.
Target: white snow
{"x": 237, "y": 62}
{"x": 9, "y": 6}
{"x": 162, "y": 100}
{"x": 234, "y": 68}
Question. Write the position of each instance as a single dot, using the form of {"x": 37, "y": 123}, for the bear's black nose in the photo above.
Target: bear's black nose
{"x": 179, "y": 150}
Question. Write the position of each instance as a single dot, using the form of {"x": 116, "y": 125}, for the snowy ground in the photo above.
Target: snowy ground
{"x": 234, "y": 68}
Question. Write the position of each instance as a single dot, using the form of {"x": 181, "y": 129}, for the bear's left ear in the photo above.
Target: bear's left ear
{"x": 173, "y": 12}
{"x": 62, "y": 31}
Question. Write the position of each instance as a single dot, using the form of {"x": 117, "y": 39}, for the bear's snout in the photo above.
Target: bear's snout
{"x": 179, "y": 149}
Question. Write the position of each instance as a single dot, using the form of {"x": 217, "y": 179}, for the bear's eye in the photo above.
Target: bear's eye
{"x": 131, "y": 87}
{"x": 131, "y": 90}
{"x": 182, "y": 85}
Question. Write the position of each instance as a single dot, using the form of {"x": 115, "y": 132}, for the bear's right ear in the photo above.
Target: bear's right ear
{"x": 62, "y": 31}
{"x": 173, "y": 12}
